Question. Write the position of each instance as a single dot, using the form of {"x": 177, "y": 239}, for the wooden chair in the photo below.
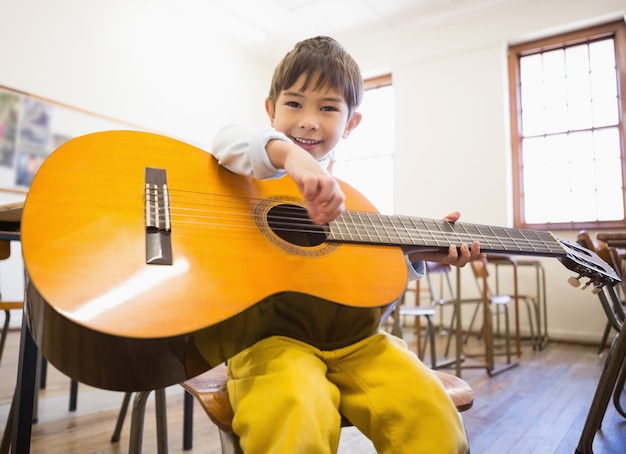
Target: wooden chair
{"x": 209, "y": 389}
{"x": 494, "y": 306}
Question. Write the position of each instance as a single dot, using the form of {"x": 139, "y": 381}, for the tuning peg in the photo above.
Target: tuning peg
{"x": 596, "y": 289}
{"x": 574, "y": 281}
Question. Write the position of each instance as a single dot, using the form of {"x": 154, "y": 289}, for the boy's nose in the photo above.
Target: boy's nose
{"x": 309, "y": 121}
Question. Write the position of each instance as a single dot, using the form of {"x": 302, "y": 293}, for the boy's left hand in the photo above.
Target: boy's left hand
{"x": 456, "y": 256}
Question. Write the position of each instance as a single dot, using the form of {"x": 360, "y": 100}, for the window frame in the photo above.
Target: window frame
{"x": 616, "y": 30}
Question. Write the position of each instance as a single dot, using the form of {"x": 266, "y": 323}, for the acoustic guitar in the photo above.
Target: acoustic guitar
{"x": 137, "y": 244}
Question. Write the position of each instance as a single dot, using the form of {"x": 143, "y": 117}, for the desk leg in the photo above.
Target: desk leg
{"x": 24, "y": 396}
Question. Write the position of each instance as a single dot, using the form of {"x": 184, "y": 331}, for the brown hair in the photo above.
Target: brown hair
{"x": 325, "y": 63}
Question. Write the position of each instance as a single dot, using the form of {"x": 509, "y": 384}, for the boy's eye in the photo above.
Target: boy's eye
{"x": 292, "y": 104}
{"x": 329, "y": 109}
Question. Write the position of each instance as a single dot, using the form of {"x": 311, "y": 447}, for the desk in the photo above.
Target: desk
{"x": 613, "y": 239}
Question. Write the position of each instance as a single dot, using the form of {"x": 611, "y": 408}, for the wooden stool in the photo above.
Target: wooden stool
{"x": 210, "y": 390}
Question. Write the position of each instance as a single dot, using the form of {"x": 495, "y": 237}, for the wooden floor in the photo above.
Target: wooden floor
{"x": 538, "y": 407}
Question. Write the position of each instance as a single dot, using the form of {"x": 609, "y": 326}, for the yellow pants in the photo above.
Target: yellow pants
{"x": 288, "y": 396}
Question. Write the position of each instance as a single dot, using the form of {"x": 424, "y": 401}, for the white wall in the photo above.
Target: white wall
{"x": 131, "y": 61}
{"x": 134, "y": 62}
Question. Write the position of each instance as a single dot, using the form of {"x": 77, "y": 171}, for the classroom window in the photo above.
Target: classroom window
{"x": 567, "y": 129}
{"x": 365, "y": 159}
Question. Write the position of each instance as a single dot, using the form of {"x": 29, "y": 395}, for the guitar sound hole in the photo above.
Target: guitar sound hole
{"x": 292, "y": 224}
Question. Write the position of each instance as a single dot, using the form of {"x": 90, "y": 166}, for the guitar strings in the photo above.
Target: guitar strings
{"x": 190, "y": 208}
{"x": 367, "y": 226}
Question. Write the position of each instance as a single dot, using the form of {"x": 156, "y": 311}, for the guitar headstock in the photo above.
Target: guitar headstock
{"x": 589, "y": 265}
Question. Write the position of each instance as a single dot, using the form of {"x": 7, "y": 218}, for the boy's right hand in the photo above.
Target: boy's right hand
{"x": 324, "y": 198}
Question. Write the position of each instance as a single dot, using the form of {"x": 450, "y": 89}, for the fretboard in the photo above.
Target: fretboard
{"x": 376, "y": 229}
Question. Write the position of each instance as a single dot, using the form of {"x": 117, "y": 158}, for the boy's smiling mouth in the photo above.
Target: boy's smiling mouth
{"x": 305, "y": 143}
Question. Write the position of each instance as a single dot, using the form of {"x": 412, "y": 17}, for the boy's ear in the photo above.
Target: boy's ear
{"x": 353, "y": 122}
{"x": 269, "y": 108}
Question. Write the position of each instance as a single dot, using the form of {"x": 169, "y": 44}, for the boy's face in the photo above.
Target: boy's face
{"x": 314, "y": 119}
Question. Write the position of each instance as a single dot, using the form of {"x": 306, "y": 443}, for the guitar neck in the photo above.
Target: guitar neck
{"x": 429, "y": 234}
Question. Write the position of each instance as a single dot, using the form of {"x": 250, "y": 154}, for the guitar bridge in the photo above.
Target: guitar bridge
{"x": 157, "y": 218}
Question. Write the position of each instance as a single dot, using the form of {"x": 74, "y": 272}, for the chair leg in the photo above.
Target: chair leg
{"x": 136, "y": 424}
{"x": 605, "y": 337}
{"x": 534, "y": 340}
{"x": 137, "y": 421}
{"x": 504, "y": 309}
{"x": 471, "y": 325}
{"x": 161, "y": 420}
{"x": 430, "y": 339}
{"x": 5, "y": 331}
{"x": 538, "y": 338}
{"x": 619, "y": 389}
{"x": 73, "y": 395}
{"x": 188, "y": 422}
{"x": 120, "y": 418}
{"x": 451, "y": 331}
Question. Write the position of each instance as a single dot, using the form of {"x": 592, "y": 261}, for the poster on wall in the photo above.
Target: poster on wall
{"x": 25, "y": 138}
{"x": 9, "y": 111}
{"x": 32, "y": 127}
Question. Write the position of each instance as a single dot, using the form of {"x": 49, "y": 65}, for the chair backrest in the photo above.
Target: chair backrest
{"x": 443, "y": 290}
{"x": 481, "y": 275}
{"x": 5, "y": 249}
{"x": 609, "y": 255}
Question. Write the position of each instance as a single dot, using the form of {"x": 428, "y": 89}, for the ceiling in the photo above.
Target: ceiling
{"x": 270, "y": 27}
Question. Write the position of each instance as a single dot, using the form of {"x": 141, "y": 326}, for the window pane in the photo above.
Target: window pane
{"x": 372, "y": 177}
{"x": 367, "y": 140}
{"x": 578, "y": 87}
{"x": 602, "y": 54}
{"x": 570, "y": 143}
{"x": 573, "y": 177}
{"x": 365, "y": 159}
{"x": 607, "y": 172}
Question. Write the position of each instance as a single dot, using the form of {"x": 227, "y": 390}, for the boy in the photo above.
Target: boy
{"x": 322, "y": 361}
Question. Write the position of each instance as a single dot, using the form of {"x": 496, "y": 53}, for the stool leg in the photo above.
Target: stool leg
{"x": 187, "y": 422}
{"x": 161, "y": 420}
{"x": 508, "y": 334}
{"x": 136, "y": 424}
{"x": 120, "y": 418}
{"x": 430, "y": 339}
{"x": 73, "y": 395}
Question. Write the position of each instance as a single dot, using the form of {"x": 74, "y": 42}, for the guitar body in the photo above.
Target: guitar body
{"x": 105, "y": 316}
